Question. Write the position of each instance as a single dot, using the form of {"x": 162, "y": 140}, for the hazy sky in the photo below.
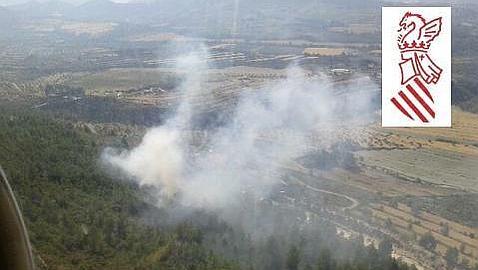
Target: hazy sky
{"x": 76, "y": 2}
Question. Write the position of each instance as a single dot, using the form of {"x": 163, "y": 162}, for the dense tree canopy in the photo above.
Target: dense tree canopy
{"x": 78, "y": 217}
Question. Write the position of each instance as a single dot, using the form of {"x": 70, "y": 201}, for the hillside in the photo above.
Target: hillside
{"x": 78, "y": 217}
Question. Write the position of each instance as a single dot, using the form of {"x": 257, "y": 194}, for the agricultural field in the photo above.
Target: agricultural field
{"x": 120, "y": 80}
{"x": 446, "y": 157}
{"x": 91, "y": 29}
{"x": 324, "y": 51}
{"x": 406, "y": 184}
{"x": 424, "y": 181}
{"x": 109, "y": 77}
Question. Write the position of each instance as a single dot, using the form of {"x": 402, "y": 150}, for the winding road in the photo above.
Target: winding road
{"x": 354, "y": 202}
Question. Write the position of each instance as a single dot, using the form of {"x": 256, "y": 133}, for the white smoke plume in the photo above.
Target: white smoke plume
{"x": 268, "y": 128}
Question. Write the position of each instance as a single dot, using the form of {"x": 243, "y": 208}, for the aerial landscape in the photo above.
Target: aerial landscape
{"x": 230, "y": 134}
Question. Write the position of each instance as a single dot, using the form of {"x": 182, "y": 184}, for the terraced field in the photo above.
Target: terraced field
{"x": 428, "y": 170}
{"x": 446, "y": 157}
{"x": 433, "y": 166}
{"x": 454, "y": 236}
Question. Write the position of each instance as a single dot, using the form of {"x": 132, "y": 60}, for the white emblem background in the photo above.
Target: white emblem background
{"x": 440, "y": 52}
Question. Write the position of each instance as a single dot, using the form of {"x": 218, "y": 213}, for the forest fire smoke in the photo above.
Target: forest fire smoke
{"x": 235, "y": 159}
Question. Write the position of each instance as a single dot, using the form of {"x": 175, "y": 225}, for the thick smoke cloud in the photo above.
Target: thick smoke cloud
{"x": 269, "y": 127}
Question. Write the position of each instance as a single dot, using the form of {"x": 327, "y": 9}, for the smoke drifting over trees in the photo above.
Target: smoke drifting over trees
{"x": 239, "y": 156}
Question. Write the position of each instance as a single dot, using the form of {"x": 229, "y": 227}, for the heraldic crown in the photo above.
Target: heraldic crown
{"x": 416, "y": 33}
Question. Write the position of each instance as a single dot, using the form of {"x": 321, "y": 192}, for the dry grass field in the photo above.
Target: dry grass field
{"x": 446, "y": 157}
{"x": 464, "y": 130}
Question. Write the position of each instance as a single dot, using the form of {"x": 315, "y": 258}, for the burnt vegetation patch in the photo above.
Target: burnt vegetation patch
{"x": 340, "y": 155}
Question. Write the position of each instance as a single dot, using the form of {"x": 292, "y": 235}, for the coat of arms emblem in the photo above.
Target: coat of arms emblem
{"x": 415, "y": 95}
